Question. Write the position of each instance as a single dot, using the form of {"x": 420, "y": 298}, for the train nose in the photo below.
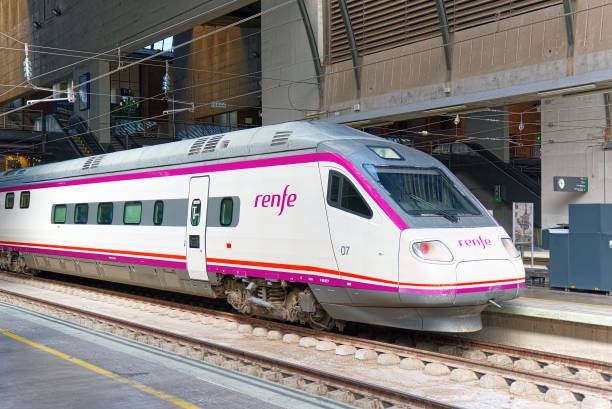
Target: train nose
{"x": 483, "y": 280}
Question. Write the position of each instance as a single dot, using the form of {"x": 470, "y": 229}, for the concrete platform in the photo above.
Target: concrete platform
{"x": 572, "y": 306}
{"x": 572, "y": 323}
{"x": 50, "y": 363}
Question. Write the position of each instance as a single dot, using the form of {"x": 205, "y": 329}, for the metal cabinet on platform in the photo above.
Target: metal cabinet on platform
{"x": 590, "y": 247}
{"x": 557, "y": 241}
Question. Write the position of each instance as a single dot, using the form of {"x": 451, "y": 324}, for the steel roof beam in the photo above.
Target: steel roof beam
{"x": 352, "y": 43}
{"x": 446, "y": 38}
{"x": 312, "y": 42}
{"x": 568, "y": 10}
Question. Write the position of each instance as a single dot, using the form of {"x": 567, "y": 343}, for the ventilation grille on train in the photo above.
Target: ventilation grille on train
{"x": 93, "y": 162}
{"x": 280, "y": 138}
{"x": 205, "y": 144}
{"x": 211, "y": 144}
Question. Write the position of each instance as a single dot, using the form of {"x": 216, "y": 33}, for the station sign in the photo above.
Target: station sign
{"x": 571, "y": 184}
{"x": 218, "y": 104}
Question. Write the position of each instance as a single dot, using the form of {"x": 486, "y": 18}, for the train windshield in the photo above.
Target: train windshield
{"x": 424, "y": 191}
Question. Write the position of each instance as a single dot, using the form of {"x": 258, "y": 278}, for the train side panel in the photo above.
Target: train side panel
{"x": 282, "y": 233}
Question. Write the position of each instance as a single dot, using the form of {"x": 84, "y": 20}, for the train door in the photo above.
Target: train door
{"x": 196, "y": 228}
{"x": 365, "y": 245}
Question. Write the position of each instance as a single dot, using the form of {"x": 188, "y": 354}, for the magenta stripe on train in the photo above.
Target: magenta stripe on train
{"x": 220, "y": 167}
{"x": 97, "y": 256}
{"x": 337, "y": 282}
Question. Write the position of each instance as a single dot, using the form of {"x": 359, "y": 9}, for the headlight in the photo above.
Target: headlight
{"x": 509, "y": 246}
{"x": 432, "y": 251}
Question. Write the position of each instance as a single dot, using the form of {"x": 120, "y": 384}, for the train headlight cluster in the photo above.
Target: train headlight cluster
{"x": 433, "y": 250}
{"x": 509, "y": 246}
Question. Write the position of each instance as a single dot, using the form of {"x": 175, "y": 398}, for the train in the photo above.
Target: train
{"x": 307, "y": 222}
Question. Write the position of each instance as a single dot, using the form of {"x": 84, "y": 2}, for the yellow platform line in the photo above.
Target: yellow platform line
{"x": 104, "y": 372}
{"x": 568, "y": 302}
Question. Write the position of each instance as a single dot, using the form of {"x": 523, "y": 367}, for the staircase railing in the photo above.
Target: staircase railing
{"x": 489, "y": 170}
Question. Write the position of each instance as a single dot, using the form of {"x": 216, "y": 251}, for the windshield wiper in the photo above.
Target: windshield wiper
{"x": 447, "y": 215}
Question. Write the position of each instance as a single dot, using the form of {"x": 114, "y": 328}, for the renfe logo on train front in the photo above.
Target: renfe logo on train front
{"x": 276, "y": 200}
{"x": 480, "y": 242}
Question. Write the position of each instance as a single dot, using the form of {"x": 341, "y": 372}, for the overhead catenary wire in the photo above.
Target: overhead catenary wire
{"x": 11, "y": 37}
{"x": 423, "y": 144}
{"x": 499, "y": 31}
{"x": 135, "y": 121}
{"x": 137, "y": 40}
{"x": 234, "y": 97}
{"x": 154, "y": 63}
{"x": 150, "y": 57}
{"x": 541, "y": 143}
{"x": 312, "y": 77}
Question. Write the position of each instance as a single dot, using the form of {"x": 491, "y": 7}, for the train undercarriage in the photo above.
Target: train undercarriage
{"x": 278, "y": 300}
{"x": 275, "y": 299}
{"x": 15, "y": 262}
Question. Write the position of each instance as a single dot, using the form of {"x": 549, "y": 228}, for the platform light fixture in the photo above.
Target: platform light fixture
{"x": 36, "y": 25}
{"x": 521, "y": 125}
{"x": 56, "y": 11}
{"x": 569, "y": 90}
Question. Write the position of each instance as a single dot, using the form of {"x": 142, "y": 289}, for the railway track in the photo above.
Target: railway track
{"x": 520, "y": 369}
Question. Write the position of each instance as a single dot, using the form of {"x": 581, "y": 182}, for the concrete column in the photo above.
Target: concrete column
{"x": 572, "y": 139}
{"x": 98, "y": 113}
{"x": 286, "y": 58}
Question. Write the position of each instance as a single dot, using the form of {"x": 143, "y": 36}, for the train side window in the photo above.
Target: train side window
{"x": 196, "y": 208}
{"x": 158, "y": 212}
{"x": 132, "y": 212}
{"x": 342, "y": 194}
{"x": 24, "y": 200}
{"x": 334, "y": 188}
{"x": 9, "y": 200}
{"x": 105, "y": 213}
{"x": 226, "y": 212}
{"x": 59, "y": 214}
{"x": 352, "y": 200}
{"x": 81, "y": 213}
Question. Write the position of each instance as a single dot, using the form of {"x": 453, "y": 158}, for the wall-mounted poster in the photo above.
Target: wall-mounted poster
{"x": 84, "y": 92}
{"x": 522, "y": 223}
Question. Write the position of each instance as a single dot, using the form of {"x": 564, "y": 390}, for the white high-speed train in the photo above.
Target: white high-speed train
{"x": 306, "y": 222}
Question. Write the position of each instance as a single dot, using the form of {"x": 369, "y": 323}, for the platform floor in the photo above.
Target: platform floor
{"x": 567, "y": 323}
{"x": 50, "y": 363}
{"x": 554, "y": 304}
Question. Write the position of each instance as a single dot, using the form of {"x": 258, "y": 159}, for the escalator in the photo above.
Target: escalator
{"x": 488, "y": 171}
{"x": 79, "y": 134}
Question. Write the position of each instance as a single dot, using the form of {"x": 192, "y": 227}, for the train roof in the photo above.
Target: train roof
{"x": 265, "y": 140}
